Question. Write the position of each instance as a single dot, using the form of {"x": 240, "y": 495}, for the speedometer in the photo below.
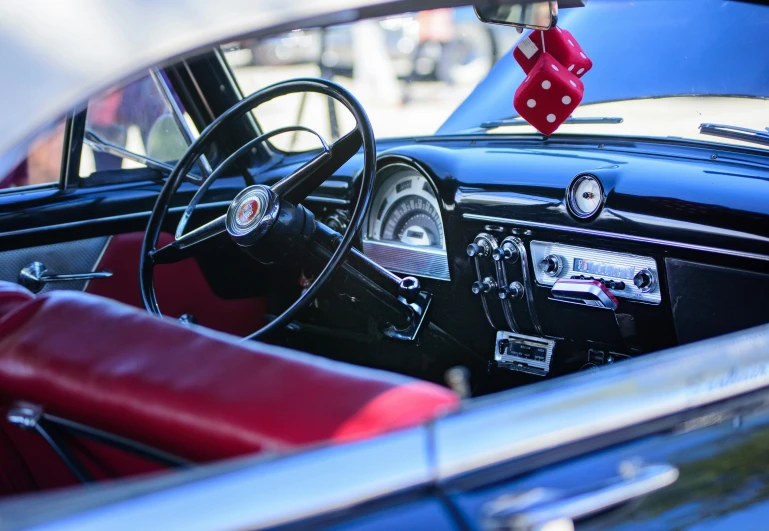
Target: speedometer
{"x": 404, "y": 229}
{"x": 405, "y": 210}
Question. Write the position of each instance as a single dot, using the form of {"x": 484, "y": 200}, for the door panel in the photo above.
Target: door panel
{"x": 80, "y": 256}
{"x": 181, "y": 288}
{"x": 723, "y": 484}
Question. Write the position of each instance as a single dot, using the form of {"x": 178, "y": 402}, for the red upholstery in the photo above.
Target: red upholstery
{"x": 11, "y": 296}
{"x": 181, "y": 288}
{"x": 194, "y": 393}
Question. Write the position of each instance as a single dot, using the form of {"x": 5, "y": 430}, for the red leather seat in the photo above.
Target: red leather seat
{"x": 11, "y": 296}
{"x": 194, "y": 393}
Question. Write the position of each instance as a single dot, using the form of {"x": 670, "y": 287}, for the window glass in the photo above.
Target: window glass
{"x": 135, "y": 118}
{"x": 41, "y": 162}
{"x": 409, "y": 72}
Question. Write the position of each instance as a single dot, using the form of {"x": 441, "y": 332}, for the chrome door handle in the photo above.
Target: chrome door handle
{"x": 34, "y": 276}
{"x": 539, "y": 509}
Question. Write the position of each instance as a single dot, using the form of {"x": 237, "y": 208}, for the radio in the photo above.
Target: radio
{"x": 626, "y": 276}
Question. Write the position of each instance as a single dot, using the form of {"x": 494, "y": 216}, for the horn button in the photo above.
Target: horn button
{"x": 258, "y": 215}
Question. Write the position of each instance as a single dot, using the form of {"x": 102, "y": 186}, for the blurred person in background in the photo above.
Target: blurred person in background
{"x": 436, "y": 28}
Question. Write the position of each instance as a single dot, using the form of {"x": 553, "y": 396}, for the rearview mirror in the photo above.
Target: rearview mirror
{"x": 538, "y": 15}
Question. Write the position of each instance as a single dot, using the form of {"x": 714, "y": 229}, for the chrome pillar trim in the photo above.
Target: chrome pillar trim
{"x": 528, "y": 285}
{"x": 617, "y": 236}
{"x": 490, "y": 241}
{"x": 514, "y": 424}
{"x": 181, "y": 123}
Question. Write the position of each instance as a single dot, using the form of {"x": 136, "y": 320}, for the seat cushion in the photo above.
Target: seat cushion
{"x": 192, "y": 392}
{"x": 11, "y": 296}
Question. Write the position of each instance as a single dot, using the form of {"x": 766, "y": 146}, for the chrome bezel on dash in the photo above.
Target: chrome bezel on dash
{"x": 567, "y": 254}
{"x": 429, "y": 262}
{"x": 571, "y": 199}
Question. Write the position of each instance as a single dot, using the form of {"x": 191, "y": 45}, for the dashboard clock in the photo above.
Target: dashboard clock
{"x": 585, "y": 196}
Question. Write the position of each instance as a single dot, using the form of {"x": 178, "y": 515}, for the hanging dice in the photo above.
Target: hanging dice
{"x": 548, "y": 95}
{"x": 559, "y": 43}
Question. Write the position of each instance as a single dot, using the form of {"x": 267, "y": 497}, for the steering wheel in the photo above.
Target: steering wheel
{"x": 268, "y": 222}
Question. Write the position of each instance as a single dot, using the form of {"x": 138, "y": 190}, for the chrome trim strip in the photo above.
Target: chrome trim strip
{"x": 428, "y": 263}
{"x": 549, "y": 414}
{"x": 528, "y": 286}
{"x": 133, "y": 215}
{"x": 329, "y": 200}
{"x": 492, "y": 241}
{"x": 614, "y": 235}
{"x": 246, "y": 493}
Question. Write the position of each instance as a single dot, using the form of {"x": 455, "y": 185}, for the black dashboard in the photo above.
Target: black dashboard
{"x": 548, "y": 257}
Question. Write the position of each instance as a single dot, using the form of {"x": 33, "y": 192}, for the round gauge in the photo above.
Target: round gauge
{"x": 405, "y": 210}
{"x": 585, "y": 196}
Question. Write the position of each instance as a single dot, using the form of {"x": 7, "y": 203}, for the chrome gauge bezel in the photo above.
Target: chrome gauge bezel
{"x": 429, "y": 262}
{"x": 571, "y": 198}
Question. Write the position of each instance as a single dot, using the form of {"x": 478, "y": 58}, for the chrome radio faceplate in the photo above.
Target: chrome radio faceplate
{"x": 627, "y": 276}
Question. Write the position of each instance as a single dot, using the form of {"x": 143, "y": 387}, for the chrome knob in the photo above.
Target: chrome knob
{"x": 507, "y": 252}
{"x": 512, "y": 292}
{"x": 478, "y": 249}
{"x": 551, "y": 265}
{"x": 483, "y": 286}
{"x": 645, "y": 280}
{"x": 409, "y": 289}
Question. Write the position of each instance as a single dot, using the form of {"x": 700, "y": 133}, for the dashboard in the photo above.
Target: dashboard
{"x": 550, "y": 257}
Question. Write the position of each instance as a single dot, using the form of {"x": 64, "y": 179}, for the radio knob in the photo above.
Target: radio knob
{"x": 483, "y": 286}
{"x": 507, "y": 252}
{"x": 551, "y": 265}
{"x": 645, "y": 280}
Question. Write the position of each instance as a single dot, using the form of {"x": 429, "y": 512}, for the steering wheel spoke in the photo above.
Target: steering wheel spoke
{"x": 296, "y": 187}
{"x": 182, "y": 247}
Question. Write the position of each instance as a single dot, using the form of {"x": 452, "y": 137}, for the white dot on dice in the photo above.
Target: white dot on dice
{"x": 566, "y": 100}
{"x": 573, "y": 84}
{"x": 546, "y": 84}
{"x": 555, "y": 68}
{"x": 579, "y": 72}
{"x": 571, "y": 42}
{"x": 551, "y": 118}
{"x": 571, "y": 68}
{"x": 531, "y": 103}
{"x": 559, "y": 29}
{"x": 582, "y": 54}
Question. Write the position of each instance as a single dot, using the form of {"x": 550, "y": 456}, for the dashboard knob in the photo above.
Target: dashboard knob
{"x": 513, "y": 291}
{"x": 645, "y": 280}
{"x": 483, "y": 286}
{"x": 478, "y": 249}
{"x": 551, "y": 265}
{"x": 507, "y": 252}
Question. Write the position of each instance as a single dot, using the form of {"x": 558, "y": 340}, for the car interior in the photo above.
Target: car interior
{"x": 224, "y": 294}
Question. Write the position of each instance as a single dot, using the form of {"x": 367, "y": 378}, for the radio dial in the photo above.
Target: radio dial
{"x": 551, "y": 265}
{"x": 645, "y": 280}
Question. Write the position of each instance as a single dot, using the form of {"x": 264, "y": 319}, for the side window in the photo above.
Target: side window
{"x": 41, "y": 162}
{"x": 137, "y": 119}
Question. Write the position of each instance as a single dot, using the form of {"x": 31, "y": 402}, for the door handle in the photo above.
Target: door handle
{"x": 34, "y": 276}
{"x": 539, "y": 509}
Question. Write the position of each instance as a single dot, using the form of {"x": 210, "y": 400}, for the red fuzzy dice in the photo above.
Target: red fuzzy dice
{"x": 560, "y": 44}
{"x": 548, "y": 95}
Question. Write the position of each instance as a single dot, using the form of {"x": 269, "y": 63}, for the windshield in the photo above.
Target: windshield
{"x": 660, "y": 69}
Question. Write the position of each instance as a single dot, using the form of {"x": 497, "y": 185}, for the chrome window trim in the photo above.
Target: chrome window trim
{"x": 616, "y": 236}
